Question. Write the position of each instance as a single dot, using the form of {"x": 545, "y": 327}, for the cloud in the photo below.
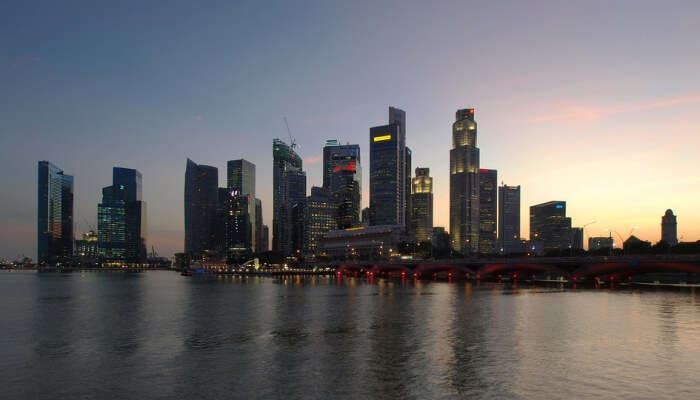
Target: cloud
{"x": 594, "y": 113}
{"x": 312, "y": 160}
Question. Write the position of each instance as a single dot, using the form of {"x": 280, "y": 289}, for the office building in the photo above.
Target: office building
{"x": 259, "y": 246}
{"x": 387, "y": 171}
{"x": 488, "y": 200}
{"x": 577, "y": 238}
{"x": 509, "y": 219}
{"x": 289, "y": 188}
{"x": 464, "y": 184}
{"x": 121, "y": 219}
{"x": 550, "y": 226}
{"x": 365, "y": 243}
{"x": 201, "y": 192}
{"x": 320, "y": 218}
{"x": 54, "y": 215}
{"x": 407, "y": 191}
{"x": 669, "y": 228}
{"x": 265, "y": 238}
{"x": 238, "y": 225}
{"x": 600, "y": 243}
{"x": 342, "y": 177}
{"x": 240, "y": 181}
{"x": 422, "y": 203}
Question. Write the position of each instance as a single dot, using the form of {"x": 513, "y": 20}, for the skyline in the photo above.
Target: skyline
{"x": 124, "y": 104}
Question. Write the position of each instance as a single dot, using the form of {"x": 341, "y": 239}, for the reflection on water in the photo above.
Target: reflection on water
{"x": 161, "y": 335}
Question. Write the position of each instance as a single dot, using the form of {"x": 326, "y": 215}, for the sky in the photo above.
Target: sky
{"x": 596, "y": 103}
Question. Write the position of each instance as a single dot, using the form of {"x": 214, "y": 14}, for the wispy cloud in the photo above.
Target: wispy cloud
{"x": 312, "y": 160}
{"x": 594, "y": 113}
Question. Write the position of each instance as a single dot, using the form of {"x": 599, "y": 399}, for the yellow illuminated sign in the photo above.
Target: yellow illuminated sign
{"x": 382, "y": 138}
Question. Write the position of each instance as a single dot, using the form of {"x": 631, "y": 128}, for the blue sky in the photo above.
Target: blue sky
{"x": 595, "y": 102}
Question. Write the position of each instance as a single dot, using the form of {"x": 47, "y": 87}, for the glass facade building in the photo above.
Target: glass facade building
{"x": 550, "y": 228}
{"x": 240, "y": 181}
{"x": 54, "y": 215}
{"x": 488, "y": 200}
{"x": 121, "y": 219}
{"x": 342, "y": 177}
{"x": 464, "y": 184}
{"x": 320, "y": 217}
{"x": 386, "y": 175}
{"x": 509, "y": 219}
{"x": 422, "y": 203}
{"x": 201, "y": 196}
{"x": 289, "y": 188}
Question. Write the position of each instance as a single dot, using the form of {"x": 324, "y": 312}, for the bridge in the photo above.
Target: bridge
{"x": 555, "y": 268}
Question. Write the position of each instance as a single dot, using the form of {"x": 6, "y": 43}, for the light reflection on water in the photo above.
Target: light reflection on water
{"x": 161, "y": 335}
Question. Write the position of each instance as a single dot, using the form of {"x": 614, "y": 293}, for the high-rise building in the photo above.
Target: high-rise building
{"x": 440, "y": 241}
{"x": 319, "y": 218}
{"x": 509, "y": 219}
{"x": 259, "y": 246}
{"x": 407, "y": 191}
{"x": 550, "y": 226}
{"x": 238, "y": 226}
{"x": 576, "y": 238}
{"x": 342, "y": 177}
{"x": 422, "y": 203}
{"x": 201, "y": 192}
{"x": 387, "y": 171}
{"x": 54, "y": 215}
{"x": 240, "y": 181}
{"x": 488, "y": 200}
{"x": 121, "y": 219}
{"x": 289, "y": 187}
{"x": 464, "y": 184}
{"x": 222, "y": 213}
{"x": 240, "y": 176}
{"x": 265, "y": 238}
{"x": 669, "y": 228}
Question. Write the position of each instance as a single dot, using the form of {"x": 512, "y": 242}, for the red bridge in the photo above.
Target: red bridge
{"x": 567, "y": 268}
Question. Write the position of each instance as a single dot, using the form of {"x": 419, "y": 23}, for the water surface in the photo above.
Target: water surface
{"x": 160, "y": 335}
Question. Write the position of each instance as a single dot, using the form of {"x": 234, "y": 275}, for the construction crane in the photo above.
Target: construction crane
{"x": 90, "y": 227}
{"x": 292, "y": 142}
{"x": 153, "y": 252}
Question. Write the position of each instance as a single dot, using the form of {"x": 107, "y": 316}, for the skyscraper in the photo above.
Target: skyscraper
{"x": 319, "y": 218}
{"x": 201, "y": 186}
{"x": 238, "y": 235}
{"x": 387, "y": 171}
{"x": 488, "y": 198}
{"x": 407, "y": 191}
{"x": 265, "y": 238}
{"x": 121, "y": 219}
{"x": 422, "y": 203}
{"x": 259, "y": 247}
{"x": 240, "y": 181}
{"x": 669, "y": 228}
{"x": 464, "y": 184}
{"x": 386, "y": 185}
{"x": 550, "y": 226}
{"x": 240, "y": 176}
{"x": 509, "y": 219}
{"x": 289, "y": 187}
{"x": 54, "y": 215}
{"x": 342, "y": 177}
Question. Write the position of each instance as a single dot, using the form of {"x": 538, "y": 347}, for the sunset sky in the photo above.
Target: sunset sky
{"x": 596, "y": 103}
